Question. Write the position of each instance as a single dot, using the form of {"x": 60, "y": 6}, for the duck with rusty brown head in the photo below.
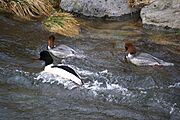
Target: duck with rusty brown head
{"x": 60, "y": 51}
{"x": 142, "y": 59}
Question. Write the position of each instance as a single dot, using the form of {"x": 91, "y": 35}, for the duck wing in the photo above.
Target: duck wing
{"x": 65, "y": 49}
{"x": 150, "y": 57}
{"x": 67, "y": 68}
{"x": 151, "y": 60}
{"x": 62, "y": 51}
{"x": 143, "y": 59}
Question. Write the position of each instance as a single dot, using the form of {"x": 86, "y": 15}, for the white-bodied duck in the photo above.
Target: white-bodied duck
{"x": 143, "y": 59}
{"x": 61, "y": 70}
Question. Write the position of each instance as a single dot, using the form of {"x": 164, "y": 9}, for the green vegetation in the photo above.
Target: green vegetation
{"x": 178, "y": 32}
{"x": 62, "y": 23}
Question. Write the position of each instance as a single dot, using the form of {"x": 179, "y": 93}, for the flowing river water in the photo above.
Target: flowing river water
{"x": 112, "y": 89}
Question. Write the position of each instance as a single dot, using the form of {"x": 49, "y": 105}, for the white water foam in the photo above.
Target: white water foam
{"x": 27, "y": 74}
{"x": 176, "y": 85}
{"x": 55, "y": 79}
{"x": 172, "y": 108}
{"x": 23, "y": 72}
{"x": 94, "y": 86}
{"x": 97, "y": 87}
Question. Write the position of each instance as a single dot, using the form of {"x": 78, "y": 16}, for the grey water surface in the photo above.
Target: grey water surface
{"x": 112, "y": 90}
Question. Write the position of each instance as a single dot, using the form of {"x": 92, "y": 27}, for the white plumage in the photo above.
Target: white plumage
{"x": 63, "y": 73}
{"x": 62, "y": 70}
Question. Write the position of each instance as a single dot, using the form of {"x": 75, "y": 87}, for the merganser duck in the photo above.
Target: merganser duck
{"x": 60, "y": 51}
{"x": 142, "y": 59}
{"x": 62, "y": 70}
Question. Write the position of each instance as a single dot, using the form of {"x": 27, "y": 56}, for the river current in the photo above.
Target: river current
{"x": 112, "y": 89}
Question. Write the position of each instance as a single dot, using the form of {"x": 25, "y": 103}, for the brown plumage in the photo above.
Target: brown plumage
{"x": 130, "y": 48}
{"x": 51, "y": 41}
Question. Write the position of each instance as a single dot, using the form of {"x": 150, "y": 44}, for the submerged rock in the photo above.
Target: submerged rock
{"x": 162, "y": 13}
{"x": 98, "y": 8}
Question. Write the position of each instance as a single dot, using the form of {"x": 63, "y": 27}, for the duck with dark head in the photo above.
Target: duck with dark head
{"x": 61, "y": 70}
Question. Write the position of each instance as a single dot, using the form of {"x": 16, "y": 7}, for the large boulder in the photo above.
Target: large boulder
{"x": 97, "y": 8}
{"x": 162, "y": 13}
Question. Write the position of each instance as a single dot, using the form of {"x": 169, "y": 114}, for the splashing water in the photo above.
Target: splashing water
{"x": 94, "y": 85}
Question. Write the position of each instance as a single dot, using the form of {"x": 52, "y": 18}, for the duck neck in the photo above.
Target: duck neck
{"x": 48, "y": 61}
{"x": 48, "y": 47}
{"x": 130, "y": 55}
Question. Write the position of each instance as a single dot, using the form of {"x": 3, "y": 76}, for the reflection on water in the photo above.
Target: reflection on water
{"x": 112, "y": 89}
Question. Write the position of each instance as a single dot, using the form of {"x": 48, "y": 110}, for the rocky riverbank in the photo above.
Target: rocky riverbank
{"x": 160, "y": 13}
{"x": 98, "y": 8}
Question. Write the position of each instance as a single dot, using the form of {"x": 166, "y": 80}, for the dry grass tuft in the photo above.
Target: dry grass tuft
{"x": 138, "y": 3}
{"x": 62, "y": 23}
{"x": 3, "y": 5}
{"x": 27, "y": 9}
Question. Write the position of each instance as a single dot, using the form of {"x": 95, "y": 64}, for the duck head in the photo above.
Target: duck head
{"x": 130, "y": 48}
{"x": 51, "y": 41}
{"x": 46, "y": 57}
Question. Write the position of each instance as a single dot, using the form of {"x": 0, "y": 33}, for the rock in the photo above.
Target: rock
{"x": 162, "y": 13}
{"x": 98, "y": 8}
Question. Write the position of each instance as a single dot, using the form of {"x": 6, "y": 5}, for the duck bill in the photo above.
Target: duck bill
{"x": 36, "y": 58}
{"x": 126, "y": 48}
